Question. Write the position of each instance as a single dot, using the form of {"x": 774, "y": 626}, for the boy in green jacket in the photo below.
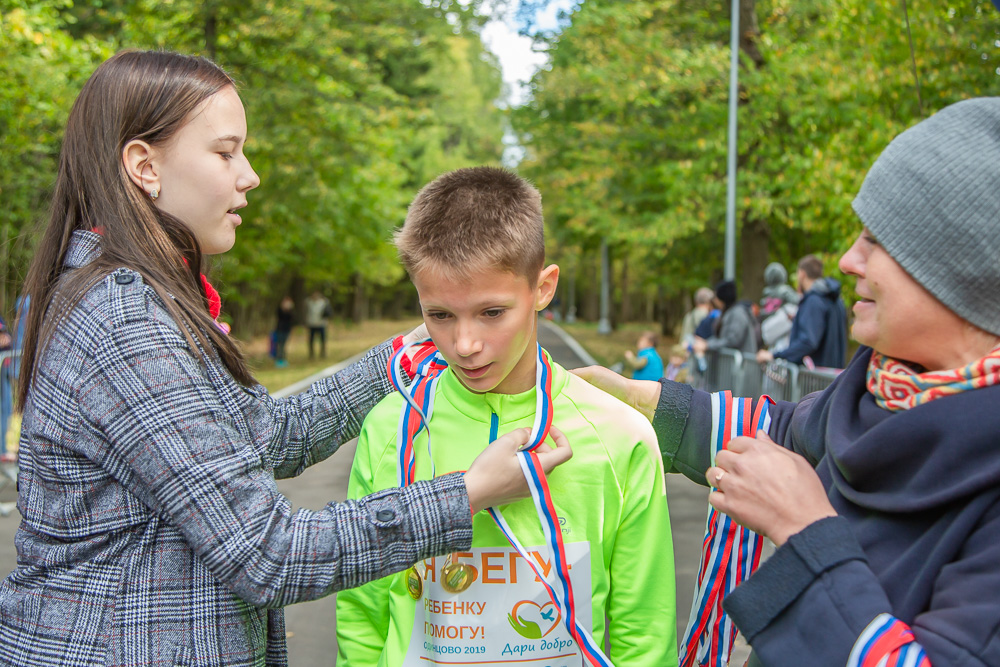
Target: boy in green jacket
{"x": 473, "y": 246}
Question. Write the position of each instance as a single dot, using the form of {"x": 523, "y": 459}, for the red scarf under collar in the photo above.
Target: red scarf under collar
{"x": 212, "y": 294}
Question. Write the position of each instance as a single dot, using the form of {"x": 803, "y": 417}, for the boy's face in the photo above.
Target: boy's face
{"x": 485, "y": 326}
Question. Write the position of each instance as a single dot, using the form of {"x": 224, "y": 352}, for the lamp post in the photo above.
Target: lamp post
{"x": 604, "y": 324}
{"x": 734, "y": 67}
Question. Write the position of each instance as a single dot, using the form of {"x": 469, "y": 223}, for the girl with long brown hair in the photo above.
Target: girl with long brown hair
{"x": 152, "y": 530}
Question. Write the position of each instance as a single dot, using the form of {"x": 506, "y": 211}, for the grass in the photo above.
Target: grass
{"x": 609, "y": 349}
{"x": 343, "y": 340}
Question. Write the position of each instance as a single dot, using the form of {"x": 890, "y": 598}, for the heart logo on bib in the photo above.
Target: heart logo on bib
{"x": 534, "y": 621}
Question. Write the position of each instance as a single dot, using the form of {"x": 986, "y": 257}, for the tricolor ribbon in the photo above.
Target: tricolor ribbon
{"x": 887, "y": 642}
{"x": 426, "y": 365}
{"x": 415, "y": 416}
{"x": 730, "y": 552}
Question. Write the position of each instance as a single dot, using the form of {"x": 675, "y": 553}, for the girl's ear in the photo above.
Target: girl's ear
{"x": 548, "y": 280}
{"x": 137, "y": 160}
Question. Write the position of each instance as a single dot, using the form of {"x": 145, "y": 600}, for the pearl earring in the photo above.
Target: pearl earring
{"x": 154, "y": 193}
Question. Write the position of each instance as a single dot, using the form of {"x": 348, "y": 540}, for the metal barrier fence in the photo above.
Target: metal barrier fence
{"x": 815, "y": 379}
{"x": 779, "y": 379}
{"x": 8, "y": 466}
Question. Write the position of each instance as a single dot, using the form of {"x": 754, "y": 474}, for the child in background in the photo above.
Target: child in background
{"x": 474, "y": 247}
{"x": 647, "y": 364}
{"x": 677, "y": 368}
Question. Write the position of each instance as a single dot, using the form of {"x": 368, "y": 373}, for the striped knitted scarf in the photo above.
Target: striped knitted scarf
{"x": 896, "y": 386}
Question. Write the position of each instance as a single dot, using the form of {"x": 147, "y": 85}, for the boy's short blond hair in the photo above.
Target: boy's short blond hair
{"x": 473, "y": 219}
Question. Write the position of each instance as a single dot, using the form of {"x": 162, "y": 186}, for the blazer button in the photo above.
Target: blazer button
{"x": 385, "y": 515}
{"x": 124, "y": 278}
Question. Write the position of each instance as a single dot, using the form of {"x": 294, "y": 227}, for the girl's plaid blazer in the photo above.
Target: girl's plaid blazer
{"x": 152, "y": 530}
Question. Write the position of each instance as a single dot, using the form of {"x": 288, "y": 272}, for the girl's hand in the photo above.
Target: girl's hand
{"x": 495, "y": 477}
{"x": 643, "y": 395}
{"x": 767, "y": 488}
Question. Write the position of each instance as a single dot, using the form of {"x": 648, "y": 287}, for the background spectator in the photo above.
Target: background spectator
{"x": 736, "y": 326}
{"x": 777, "y": 291}
{"x": 819, "y": 330}
{"x": 317, "y": 313}
{"x": 647, "y": 364}
{"x": 702, "y": 307}
{"x": 778, "y": 306}
{"x": 677, "y": 368}
{"x": 283, "y": 329}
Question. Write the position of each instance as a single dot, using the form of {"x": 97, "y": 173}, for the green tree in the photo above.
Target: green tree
{"x": 352, "y": 106}
{"x": 626, "y": 132}
{"x": 42, "y": 68}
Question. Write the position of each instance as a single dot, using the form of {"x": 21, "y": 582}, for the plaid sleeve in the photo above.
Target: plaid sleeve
{"x": 155, "y": 418}
{"x": 307, "y": 428}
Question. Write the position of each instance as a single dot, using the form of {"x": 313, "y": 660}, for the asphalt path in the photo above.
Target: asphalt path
{"x": 312, "y": 625}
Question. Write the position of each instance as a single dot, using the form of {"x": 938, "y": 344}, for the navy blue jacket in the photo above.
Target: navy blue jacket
{"x": 917, "y": 493}
{"x": 819, "y": 330}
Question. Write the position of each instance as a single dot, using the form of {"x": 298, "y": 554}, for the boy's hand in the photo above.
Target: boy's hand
{"x": 495, "y": 477}
{"x": 643, "y": 395}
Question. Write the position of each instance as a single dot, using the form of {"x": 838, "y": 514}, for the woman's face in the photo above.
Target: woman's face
{"x": 203, "y": 174}
{"x": 896, "y": 316}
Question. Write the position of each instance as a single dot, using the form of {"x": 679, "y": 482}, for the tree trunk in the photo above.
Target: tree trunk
{"x": 750, "y": 32}
{"x": 210, "y": 33}
{"x": 755, "y": 235}
{"x": 359, "y": 306}
{"x": 590, "y": 306}
{"x": 755, "y": 238}
{"x": 396, "y": 304}
{"x": 625, "y": 311}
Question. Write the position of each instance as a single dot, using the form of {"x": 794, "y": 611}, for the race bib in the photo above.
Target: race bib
{"x": 504, "y": 617}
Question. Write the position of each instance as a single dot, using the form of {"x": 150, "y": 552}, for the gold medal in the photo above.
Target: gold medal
{"x": 414, "y": 583}
{"x": 456, "y": 577}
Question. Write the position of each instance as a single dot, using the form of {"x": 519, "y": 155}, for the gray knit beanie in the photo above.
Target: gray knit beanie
{"x": 932, "y": 199}
{"x": 775, "y": 274}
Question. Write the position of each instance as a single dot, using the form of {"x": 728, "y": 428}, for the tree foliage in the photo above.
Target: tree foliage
{"x": 351, "y": 105}
{"x": 627, "y": 131}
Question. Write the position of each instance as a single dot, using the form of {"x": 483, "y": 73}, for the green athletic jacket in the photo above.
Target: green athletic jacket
{"x": 610, "y": 499}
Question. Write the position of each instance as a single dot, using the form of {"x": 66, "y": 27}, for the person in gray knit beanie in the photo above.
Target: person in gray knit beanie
{"x": 882, "y": 492}
{"x": 776, "y": 288}
{"x": 932, "y": 199}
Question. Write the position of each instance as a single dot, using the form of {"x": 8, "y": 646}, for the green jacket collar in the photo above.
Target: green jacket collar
{"x": 510, "y": 407}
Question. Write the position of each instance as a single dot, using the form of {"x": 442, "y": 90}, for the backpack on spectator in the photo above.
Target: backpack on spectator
{"x": 753, "y": 312}
{"x": 777, "y": 325}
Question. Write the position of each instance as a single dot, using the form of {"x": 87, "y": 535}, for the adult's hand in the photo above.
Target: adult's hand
{"x": 764, "y": 356}
{"x": 643, "y": 395}
{"x": 699, "y": 345}
{"x": 495, "y": 477}
{"x": 767, "y": 488}
{"x": 420, "y": 333}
